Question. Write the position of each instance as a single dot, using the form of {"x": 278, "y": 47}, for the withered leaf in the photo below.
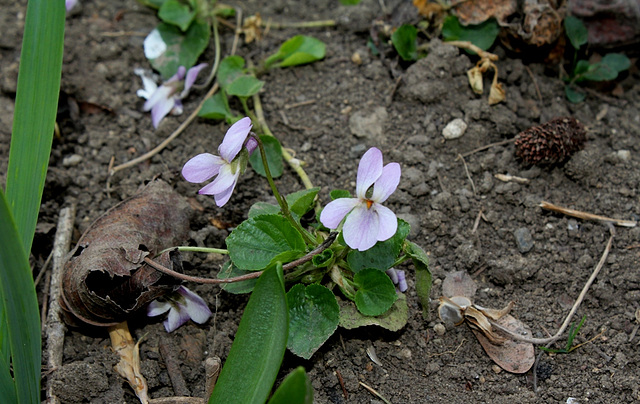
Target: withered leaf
{"x": 105, "y": 277}
{"x": 512, "y": 356}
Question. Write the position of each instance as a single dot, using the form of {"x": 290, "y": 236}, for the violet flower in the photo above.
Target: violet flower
{"x": 69, "y": 4}
{"x": 398, "y": 278}
{"x": 367, "y": 220}
{"x": 168, "y": 97}
{"x": 228, "y": 166}
{"x": 182, "y": 305}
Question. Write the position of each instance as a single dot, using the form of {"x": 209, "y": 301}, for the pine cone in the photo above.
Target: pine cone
{"x": 552, "y": 142}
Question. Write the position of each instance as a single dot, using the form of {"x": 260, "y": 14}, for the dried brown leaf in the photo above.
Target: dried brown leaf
{"x": 478, "y": 11}
{"x": 512, "y": 356}
{"x": 105, "y": 278}
{"x": 459, "y": 283}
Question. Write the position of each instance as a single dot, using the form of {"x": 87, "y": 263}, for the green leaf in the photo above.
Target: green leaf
{"x": 404, "y": 40}
{"x": 176, "y": 13}
{"x": 582, "y": 66}
{"x": 616, "y": 62}
{"x": 262, "y": 240}
{"x": 393, "y": 319}
{"x": 573, "y": 95}
{"x": 152, "y": 3}
{"x": 482, "y": 35}
{"x": 230, "y": 68}
{"x": 349, "y": 2}
{"x": 339, "y": 193}
{"x": 263, "y": 208}
{"x": 298, "y": 50}
{"x": 375, "y": 292}
{"x": 273, "y": 150}
{"x": 258, "y": 348}
{"x": 423, "y": 274}
{"x": 600, "y": 72}
{"x": 216, "y": 107}
{"x": 231, "y": 271}
{"x": 301, "y": 202}
{"x": 20, "y": 305}
{"x": 323, "y": 259}
{"x": 576, "y": 31}
{"x": 295, "y": 389}
{"x": 35, "y": 113}
{"x": 383, "y": 254}
{"x": 313, "y": 318}
{"x": 168, "y": 48}
{"x": 244, "y": 86}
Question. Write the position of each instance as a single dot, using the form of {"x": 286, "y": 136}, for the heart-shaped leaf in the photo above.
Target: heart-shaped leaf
{"x": 375, "y": 292}
{"x": 404, "y": 40}
{"x": 273, "y": 150}
{"x": 298, "y": 50}
{"x": 383, "y": 254}
{"x": 393, "y": 319}
{"x": 482, "y": 35}
{"x": 176, "y": 13}
{"x": 313, "y": 318}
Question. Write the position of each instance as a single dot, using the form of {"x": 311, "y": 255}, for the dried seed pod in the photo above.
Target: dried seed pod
{"x": 552, "y": 142}
{"x": 105, "y": 277}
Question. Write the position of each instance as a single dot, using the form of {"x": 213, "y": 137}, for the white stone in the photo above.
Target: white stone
{"x": 624, "y": 155}
{"x": 454, "y": 129}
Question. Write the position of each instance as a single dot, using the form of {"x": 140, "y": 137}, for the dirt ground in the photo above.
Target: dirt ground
{"x": 329, "y": 113}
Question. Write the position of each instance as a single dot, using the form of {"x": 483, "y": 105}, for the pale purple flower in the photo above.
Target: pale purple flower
{"x": 182, "y": 305}
{"x": 167, "y": 97}
{"x": 398, "y": 278}
{"x": 228, "y": 166}
{"x": 367, "y": 220}
{"x": 69, "y": 4}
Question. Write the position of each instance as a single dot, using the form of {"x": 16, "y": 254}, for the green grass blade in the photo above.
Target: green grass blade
{"x": 22, "y": 319}
{"x": 7, "y": 386}
{"x": 258, "y": 348}
{"x": 35, "y": 112}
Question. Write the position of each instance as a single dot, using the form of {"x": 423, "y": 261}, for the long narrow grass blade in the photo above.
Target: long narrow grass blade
{"x": 22, "y": 318}
{"x": 35, "y": 112}
{"x": 7, "y": 386}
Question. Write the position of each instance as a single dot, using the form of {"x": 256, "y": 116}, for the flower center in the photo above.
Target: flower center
{"x": 369, "y": 203}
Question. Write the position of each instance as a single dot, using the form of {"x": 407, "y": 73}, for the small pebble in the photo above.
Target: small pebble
{"x": 454, "y": 129}
{"x": 624, "y": 155}
{"x": 523, "y": 239}
{"x": 496, "y": 369}
{"x": 440, "y": 329}
{"x": 72, "y": 160}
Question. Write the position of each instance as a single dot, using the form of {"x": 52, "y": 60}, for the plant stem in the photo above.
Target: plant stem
{"x": 197, "y": 249}
{"x": 216, "y": 60}
{"x": 303, "y": 24}
{"x": 284, "y": 207}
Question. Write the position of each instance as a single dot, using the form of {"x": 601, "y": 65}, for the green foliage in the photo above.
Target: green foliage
{"x": 339, "y": 193}
{"x": 33, "y": 122}
{"x": 606, "y": 69}
{"x": 313, "y": 318}
{"x": 258, "y": 348}
{"x": 381, "y": 256}
{"x": 295, "y": 389}
{"x": 182, "y": 48}
{"x": 234, "y": 80}
{"x": 296, "y": 51}
{"x": 393, "y": 319}
{"x": 273, "y": 150}
{"x": 423, "y": 274}
{"x": 229, "y": 270}
{"x": 573, "y": 332}
{"x": 262, "y": 240}
{"x": 482, "y": 35}
{"x": 176, "y": 13}
{"x": 349, "y": 2}
{"x": 375, "y": 292}
{"x": 216, "y": 107}
{"x": 404, "y": 40}
{"x": 576, "y": 31}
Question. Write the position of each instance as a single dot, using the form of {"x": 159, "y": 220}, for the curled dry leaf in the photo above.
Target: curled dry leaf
{"x": 512, "y": 356}
{"x": 478, "y": 11}
{"x": 105, "y": 278}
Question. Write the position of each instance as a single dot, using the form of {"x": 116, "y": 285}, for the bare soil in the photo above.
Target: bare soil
{"x": 329, "y": 113}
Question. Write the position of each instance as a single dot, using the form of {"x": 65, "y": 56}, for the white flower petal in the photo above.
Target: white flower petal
{"x": 369, "y": 171}
{"x": 157, "y": 307}
{"x": 360, "y": 230}
{"x": 388, "y": 222}
{"x": 202, "y": 167}
{"x": 336, "y": 210}
{"x": 234, "y": 139}
{"x": 387, "y": 183}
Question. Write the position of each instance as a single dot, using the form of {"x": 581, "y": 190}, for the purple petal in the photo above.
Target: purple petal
{"x": 369, "y": 171}
{"x": 393, "y": 275}
{"x": 335, "y": 211}
{"x": 223, "y": 197}
{"x": 388, "y": 223}
{"x": 178, "y": 76}
{"x": 234, "y": 139}
{"x": 402, "y": 282}
{"x": 162, "y": 94}
{"x": 251, "y": 145}
{"x": 160, "y": 110}
{"x": 387, "y": 183}
{"x": 360, "y": 230}
{"x": 176, "y": 317}
{"x": 222, "y": 186}
{"x": 192, "y": 74}
{"x": 195, "y": 306}
{"x": 157, "y": 307}
{"x": 202, "y": 167}
{"x": 69, "y": 4}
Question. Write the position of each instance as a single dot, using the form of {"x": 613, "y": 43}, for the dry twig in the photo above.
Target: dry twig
{"x": 585, "y": 215}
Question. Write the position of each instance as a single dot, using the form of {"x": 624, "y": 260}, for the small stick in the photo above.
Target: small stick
{"x": 488, "y": 146}
{"x": 44, "y": 269}
{"x": 45, "y": 301}
{"x": 299, "y": 104}
{"x": 308, "y": 257}
{"x": 535, "y": 83}
{"x": 466, "y": 170}
{"x": 178, "y": 400}
{"x": 54, "y": 327}
{"x": 173, "y": 369}
{"x": 587, "y": 216}
{"x": 344, "y": 390}
{"x": 375, "y": 393}
{"x": 579, "y": 300}
{"x": 168, "y": 140}
{"x": 303, "y": 24}
{"x": 477, "y": 222}
{"x": 509, "y": 178}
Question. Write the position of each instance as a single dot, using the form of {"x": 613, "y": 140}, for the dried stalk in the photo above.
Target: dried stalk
{"x": 585, "y": 215}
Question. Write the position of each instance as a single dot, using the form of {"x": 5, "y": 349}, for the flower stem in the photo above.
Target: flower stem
{"x": 197, "y": 249}
{"x": 303, "y": 24}
{"x": 284, "y": 207}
